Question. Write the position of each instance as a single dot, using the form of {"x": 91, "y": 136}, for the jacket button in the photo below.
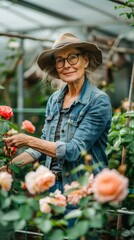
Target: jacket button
{"x": 62, "y": 131}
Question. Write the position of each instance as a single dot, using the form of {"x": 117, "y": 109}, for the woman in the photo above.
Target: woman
{"x": 78, "y": 116}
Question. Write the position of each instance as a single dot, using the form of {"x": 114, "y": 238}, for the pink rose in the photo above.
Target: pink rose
{"x": 76, "y": 192}
{"x": 60, "y": 198}
{"x": 44, "y": 206}
{"x": 6, "y": 112}
{"x": 40, "y": 180}
{"x": 110, "y": 186}
{"x": 28, "y": 126}
{"x": 5, "y": 181}
{"x": 56, "y": 198}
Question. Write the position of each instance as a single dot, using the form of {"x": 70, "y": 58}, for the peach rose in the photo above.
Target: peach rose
{"x": 78, "y": 192}
{"x": 56, "y": 198}
{"x": 75, "y": 192}
{"x": 60, "y": 198}
{"x": 44, "y": 206}
{"x": 5, "y": 181}
{"x": 110, "y": 186}
{"x": 28, "y": 126}
{"x": 12, "y": 132}
{"x": 40, "y": 180}
{"x": 6, "y": 112}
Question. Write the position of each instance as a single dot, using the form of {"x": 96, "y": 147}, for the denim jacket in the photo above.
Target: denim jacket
{"x": 84, "y": 128}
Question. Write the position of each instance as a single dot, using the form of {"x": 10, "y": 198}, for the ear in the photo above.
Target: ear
{"x": 86, "y": 59}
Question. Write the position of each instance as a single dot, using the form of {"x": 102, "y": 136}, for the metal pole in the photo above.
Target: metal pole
{"x": 20, "y": 89}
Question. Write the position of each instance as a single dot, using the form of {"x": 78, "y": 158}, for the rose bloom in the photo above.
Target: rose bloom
{"x": 5, "y": 181}
{"x": 12, "y": 132}
{"x": 44, "y": 206}
{"x": 110, "y": 186}
{"x": 60, "y": 198}
{"x": 28, "y": 126}
{"x": 40, "y": 180}
{"x": 6, "y": 112}
{"x": 78, "y": 192}
{"x": 56, "y": 198}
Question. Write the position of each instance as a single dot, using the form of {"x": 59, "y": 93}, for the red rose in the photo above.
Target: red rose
{"x": 6, "y": 112}
{"x": 28, "y": 126}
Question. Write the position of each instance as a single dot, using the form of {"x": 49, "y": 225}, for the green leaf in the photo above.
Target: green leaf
{"x": 6, "y": 203}
{"x": 11, "y": 216}
{"x": 83, "y": 180}
{"x": 117, "y": 143}
{"x": 15, "y": 168}
{"x": 57, "y": 234}
{"x": 73, "y": 214}
{"x": 1, "y": 87}
{"x": 61, "y": 222}
{"x": 44, "y": 225}
{"x": 84, "y": 201}
{"x": 25, "y": 212}
{"x": 127, "y": 139}
{"x": 58, "y": 209}
{"x": 113, "y": 163}
{"x": 126, "y": 233}
{"x": 20, "y": 224}
{"x": 33, "y": 203}
{"x": 131, "y": 124}
{"x": 79, "y": 229}
{"x": 4, "y": 127}
{"x": 124, "y": 131}
{"x": 112, "y": 136}
{"x": 79, "y": 168}
{"x": 89, "y": 212}
{"x": 19, "y": 198}
{"x": 129, "y": 114}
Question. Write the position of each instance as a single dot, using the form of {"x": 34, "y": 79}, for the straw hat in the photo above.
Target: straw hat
{"x": 65, "y": 41}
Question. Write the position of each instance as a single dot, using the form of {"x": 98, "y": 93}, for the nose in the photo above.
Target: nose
{"x": 66, "y": 63}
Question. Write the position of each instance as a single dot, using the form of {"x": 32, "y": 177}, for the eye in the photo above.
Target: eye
{"x": 72, "y": 57}
{"x": 59, "y": 60}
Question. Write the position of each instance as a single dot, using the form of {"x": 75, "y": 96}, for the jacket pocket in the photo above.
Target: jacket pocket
{"x": 50, "y": 127}
{"x": 73, "y": 124}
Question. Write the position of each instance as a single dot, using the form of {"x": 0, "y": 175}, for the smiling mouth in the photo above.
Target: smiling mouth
{"x": 68, "y": 73}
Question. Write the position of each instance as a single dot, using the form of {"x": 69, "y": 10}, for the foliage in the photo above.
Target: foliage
{"x": 129, "y": 4}
{"x": 121, "y": 135}
{"x": 121, "y": 141}
{"x": 28, "y": 201}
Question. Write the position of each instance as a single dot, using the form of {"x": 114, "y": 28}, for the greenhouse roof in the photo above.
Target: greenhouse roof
{"x": 46, "y": 19}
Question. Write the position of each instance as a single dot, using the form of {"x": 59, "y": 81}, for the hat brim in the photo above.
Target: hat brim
{"x": 45, "y": 59}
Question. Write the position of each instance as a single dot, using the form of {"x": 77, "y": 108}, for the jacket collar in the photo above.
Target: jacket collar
{"x": 85, "y": 93}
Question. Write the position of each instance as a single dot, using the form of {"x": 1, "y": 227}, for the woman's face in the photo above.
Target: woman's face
{"x": 70, "y": 65}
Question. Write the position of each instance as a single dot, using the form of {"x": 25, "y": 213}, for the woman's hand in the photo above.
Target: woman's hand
{"x": 17, "y": 140}
{"x": 10, "y": 151}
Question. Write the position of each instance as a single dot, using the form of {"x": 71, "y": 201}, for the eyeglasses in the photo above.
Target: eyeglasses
{"x": 72, "y": 60}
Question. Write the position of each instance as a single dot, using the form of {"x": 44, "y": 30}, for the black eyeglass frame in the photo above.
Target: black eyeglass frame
{"x": 76, "y": 54}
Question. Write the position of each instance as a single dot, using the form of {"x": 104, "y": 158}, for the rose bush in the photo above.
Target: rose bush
{"x": 7, "y": 128}
{"x": 25, "y": 197}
